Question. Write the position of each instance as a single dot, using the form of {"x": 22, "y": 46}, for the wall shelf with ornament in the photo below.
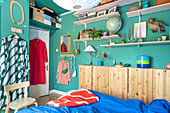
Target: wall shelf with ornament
{"x": 107, "y": 6}
{"x": 96, "y": 19}
{"x": 138, "y": 43}
{"x": 101, "y": 8}
{"x": 149, "y": 10}
{"x": 101, "y": 38}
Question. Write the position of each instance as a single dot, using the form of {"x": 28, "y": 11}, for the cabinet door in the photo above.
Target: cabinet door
{"x": 85, "y": 77}
{"x": 118, "y": 82}
{"x": 161, "y": 84}
{"x": 140, "y": 84}
{"x": 101, "y": 79}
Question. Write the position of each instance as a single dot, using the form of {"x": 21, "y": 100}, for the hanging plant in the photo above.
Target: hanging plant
{"x": 95, "y": 34}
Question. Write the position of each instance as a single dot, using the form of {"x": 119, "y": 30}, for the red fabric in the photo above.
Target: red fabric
{"x": 63, "y": 47}
{"x": 38, "y": 57}
{"x": 75, "y": 98}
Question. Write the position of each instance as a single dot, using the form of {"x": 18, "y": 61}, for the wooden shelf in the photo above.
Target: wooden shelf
{"x": 101, "y": 38}
{"x": 95, "y": 19}
{"x": 107, "y": 6}
{"x": 68, "y": 55}
{"x": 138, "y": 43}
{"x": 33, "y": 23}
{"x": 149, "y": 10}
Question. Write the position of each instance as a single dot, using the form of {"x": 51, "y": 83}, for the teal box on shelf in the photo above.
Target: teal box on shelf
{"x": 143, "y": 62}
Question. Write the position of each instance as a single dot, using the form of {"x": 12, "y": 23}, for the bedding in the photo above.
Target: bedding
{"x": 75, "y": 98}
{"x": 106, "y": 104}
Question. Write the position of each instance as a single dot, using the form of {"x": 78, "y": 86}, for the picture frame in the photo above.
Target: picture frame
{"x": 137, "y": 28}
{"x": 113, "y": 9}
{"x": 65, "y": 43}
{"x": 100, "y": 13}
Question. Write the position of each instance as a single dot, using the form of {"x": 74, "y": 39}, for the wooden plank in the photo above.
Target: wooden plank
{"x": 118, "y": 82}
{"x": 101, "y": 79}
{"x": 158, "y": 84}
{"x": 140, "y": 84}
{"x": 68, "y": 55}
{"x": 133, "y": 94}
{"x": 167, "y": 95}
{"x": 85, "y": 77}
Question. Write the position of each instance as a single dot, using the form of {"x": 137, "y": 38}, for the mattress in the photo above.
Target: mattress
{"x": 107, "y": 104}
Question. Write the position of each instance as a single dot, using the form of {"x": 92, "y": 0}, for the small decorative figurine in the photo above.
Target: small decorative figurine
{"x": 168, "y": 65}
{"x": 164, "y": 38}
{"x": 155, "y": 25}
{"x": 145, "y": 4}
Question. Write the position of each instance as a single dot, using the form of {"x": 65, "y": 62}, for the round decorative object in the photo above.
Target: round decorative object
{"x": 168, "y": 65}
{"x": 114, "y": 24}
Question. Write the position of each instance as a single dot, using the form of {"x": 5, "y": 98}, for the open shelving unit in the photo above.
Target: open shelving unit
{"x": 149, "y": 10}
{"x": 101, "y": 38}
{"x": 107, "y": 6}
{"x": 95, "y": 19}
{"x": 100, "y": 8}
{"x": 138, "y": 43}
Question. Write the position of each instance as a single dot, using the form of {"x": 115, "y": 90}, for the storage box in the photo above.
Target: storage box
{"x": 47, "y": 17}
{"x": 58, "y": 25}
{"x": 159, "y": 2}
{"x": 36, "y": 14}
{"x": 47, "y": 22}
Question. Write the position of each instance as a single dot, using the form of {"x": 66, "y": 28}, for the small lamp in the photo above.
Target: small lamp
{"x": 90, "y": 49}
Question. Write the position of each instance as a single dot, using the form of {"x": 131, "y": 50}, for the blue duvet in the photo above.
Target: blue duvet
{"x": 107, "y": 104}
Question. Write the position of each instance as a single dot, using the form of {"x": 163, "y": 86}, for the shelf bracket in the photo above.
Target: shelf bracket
{"x": 139, "y": 45}
{"x": 84, "y": 25}
{"x": 110, "y": 40}
{"x": 85, "y": 42}
{"x": 140, "y": 3}
{"x": 108, "y": 6}
{"x": 139, "y": 13}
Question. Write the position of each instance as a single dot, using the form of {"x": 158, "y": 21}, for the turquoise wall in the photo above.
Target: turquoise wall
{"x": 6, "y": 22}
{"x": 160, "y": 54}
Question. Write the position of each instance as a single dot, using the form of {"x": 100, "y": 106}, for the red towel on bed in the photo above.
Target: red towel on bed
{"x": 75, "y": 98}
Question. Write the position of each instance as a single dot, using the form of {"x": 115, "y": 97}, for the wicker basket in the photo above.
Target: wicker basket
{"x": 159, "y": 2}
{"x": 37, "y": 14}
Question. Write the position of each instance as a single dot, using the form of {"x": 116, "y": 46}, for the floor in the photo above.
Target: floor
{"x": 44, "y": 99}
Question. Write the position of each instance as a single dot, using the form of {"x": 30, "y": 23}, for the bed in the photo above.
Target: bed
{"x": 107, "y": 104}
{"x": 131, "y": 90}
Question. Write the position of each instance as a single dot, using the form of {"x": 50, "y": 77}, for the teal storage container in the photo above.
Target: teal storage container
{"x": 143, "y": 62}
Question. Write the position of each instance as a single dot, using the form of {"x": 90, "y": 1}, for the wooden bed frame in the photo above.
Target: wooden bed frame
{"x": 126, "y": 83}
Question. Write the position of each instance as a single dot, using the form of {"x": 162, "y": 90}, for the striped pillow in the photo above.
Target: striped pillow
{"x": 75, "y": 98}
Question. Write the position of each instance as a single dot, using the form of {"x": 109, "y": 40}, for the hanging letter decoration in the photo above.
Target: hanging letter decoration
{"x": 22, "y": 11}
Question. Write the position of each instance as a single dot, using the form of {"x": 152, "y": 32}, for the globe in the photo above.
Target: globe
{"x": 114, "y": 24}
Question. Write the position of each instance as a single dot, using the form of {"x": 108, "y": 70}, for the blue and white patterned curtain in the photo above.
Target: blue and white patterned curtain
{"x": 14, "y": 66}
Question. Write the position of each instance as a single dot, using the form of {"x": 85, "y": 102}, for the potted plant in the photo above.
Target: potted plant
{"x": 95, "y": 34}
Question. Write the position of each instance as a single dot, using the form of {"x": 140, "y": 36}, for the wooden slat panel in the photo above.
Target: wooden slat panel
{"x": 133, "y": 83}
{"x": 85, "y": 77}
{"x": 140, "y": 84}
{"x": 118, "y": 82}
{"x": 167, "y": 95}
{"x": 158, "y": 84}
{"x": 101, "y": 79}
